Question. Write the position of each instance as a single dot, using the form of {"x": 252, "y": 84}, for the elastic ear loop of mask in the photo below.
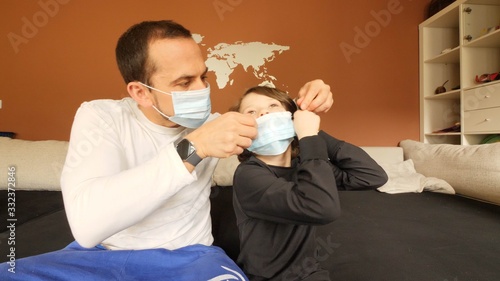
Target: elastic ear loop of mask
{"x": 154, "y": 89}
{"x": 154, "y": 106}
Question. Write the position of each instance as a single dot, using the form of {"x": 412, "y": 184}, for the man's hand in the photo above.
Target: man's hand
{"x": 315, "y": 96}
{"x": 224, "y": 136}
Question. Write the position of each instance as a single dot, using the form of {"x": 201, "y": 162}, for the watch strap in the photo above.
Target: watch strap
{"x": 193, "y": 159}
{"x": 187, "y": 152}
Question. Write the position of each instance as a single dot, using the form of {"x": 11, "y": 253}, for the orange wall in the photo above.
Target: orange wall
{"x": 58, "y": 53}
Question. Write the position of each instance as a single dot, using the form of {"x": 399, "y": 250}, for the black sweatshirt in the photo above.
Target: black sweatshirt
{"x": 277, "y": 208}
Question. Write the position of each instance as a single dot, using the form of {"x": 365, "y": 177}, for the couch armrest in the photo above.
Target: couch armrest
{"x": 38, "y": 163}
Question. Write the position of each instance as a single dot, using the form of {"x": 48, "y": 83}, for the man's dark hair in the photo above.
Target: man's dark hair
{"x": 132, "y": 47}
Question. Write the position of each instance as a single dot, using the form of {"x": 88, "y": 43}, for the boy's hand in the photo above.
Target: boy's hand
{"x": 306, "y": 123}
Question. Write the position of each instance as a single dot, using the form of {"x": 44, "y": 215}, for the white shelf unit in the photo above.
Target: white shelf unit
{"x": 455, "y": 45}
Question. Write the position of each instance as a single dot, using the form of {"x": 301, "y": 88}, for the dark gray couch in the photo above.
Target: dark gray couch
{"x": 412, "y": 236}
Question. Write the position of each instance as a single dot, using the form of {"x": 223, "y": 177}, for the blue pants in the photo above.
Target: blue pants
{"x": 191, "y": 263}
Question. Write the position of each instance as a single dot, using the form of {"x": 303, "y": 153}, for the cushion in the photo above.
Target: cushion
{"x": 472, "y": 170}
{"x": 38, "y": 164}
{"x": 385, "y": 154}
{"x": 224, "y": 171}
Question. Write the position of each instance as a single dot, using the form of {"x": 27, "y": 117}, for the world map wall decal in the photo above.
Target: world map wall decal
{"x": 224, "y": 58}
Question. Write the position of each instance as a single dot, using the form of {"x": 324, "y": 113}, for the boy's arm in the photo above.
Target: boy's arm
{"x": 352, "y": 166}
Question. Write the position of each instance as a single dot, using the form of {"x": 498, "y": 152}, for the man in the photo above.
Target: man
{"x": 137, "y": 177}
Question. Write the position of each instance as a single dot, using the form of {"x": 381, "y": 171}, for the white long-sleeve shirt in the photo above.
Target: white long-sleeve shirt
{"x": 125, "y": 186}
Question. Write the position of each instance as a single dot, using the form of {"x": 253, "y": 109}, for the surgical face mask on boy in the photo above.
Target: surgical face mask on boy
{"x": 275, "y": 133}
{"x": 191, "y": 108}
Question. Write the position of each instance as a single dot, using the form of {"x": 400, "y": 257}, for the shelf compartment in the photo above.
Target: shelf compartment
{"x": 442, "y": 138}
{"x": 471, "y": 139}
{"x": 444, "y": 134}
{"x": 447, "y": 17}
{"x": 441, "y": 114}
{"x": 478, "y": 61}
{"x": 442, "y": 38}
{"x": 491, "y": 40}
{"x": 450, "y": 95}
{"x": 478, "y": 20}
{"x": 435, "y": 74}
{"x": 452, "y": 56}
{"x": 487, "y": 84}
{"x": 483, "y": 2}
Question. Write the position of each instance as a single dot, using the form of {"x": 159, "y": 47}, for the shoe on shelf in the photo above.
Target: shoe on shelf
{"x": 488, "y": 77}
{"x": 455, "y": 128}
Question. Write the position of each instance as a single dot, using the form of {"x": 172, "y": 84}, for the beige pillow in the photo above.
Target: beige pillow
{"x": 403, "y": 178}
{"x": 38, "y": 164}
{"x": 473, "y": 170}
{"x": 224, "y": 171}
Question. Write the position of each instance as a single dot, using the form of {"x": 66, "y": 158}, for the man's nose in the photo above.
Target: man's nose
{"x": 199, "y": 84}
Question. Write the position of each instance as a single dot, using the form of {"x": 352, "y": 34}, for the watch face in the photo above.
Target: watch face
{"x": 184, "y": 148}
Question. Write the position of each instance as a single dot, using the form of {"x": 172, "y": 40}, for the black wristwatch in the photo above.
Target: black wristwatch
{"x": 187, "y": 152}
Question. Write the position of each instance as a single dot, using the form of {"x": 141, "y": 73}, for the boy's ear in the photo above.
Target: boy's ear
{"x": 140, "y": 94}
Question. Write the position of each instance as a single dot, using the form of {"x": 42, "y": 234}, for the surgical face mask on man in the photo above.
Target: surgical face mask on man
{"x": 275, "y": 133}
{"x": 191, "y": 108}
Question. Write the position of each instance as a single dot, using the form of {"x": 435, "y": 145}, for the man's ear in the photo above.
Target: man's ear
{"x": 140, "y": 94}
